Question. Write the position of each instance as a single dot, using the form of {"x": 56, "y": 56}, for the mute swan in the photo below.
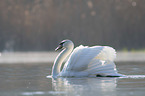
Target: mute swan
{"x": 84, "y": 61}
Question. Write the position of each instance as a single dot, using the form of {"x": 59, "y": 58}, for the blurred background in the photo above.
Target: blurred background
{"x": 39, "y": 25}
{"x": 30, "y": 30}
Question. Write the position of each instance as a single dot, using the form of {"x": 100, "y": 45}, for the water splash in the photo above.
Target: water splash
{"x": 33, "y": 93}
{"x": 136, "y": 76}
{"x": 42, "y": 93}
{"x": 133, "y": 76}
{"x": 49, "y": 76}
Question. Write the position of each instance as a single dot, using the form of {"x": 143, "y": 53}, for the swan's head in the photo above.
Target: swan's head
{"x": 65, "y": 44}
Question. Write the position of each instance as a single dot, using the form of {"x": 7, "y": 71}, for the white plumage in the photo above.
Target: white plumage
{"x": 86, "y": 61}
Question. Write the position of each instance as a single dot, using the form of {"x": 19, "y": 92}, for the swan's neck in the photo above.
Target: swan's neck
{"x": 59, "y": 60}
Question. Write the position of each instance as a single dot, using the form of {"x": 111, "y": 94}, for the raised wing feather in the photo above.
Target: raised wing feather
{"x": 82, "y": 56}
{"x": 91, "y": 61}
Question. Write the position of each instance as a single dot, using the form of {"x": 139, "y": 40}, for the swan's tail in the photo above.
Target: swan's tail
{"x": 102, "y": 68}
{"x": 107, "y": 53}
{"x": 103, "y": 64}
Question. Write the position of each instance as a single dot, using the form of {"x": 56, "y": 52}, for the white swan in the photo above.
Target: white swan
{"x": 84, "y": 61}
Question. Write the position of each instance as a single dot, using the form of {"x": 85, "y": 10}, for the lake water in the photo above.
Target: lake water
{"x": 30, "y": 80}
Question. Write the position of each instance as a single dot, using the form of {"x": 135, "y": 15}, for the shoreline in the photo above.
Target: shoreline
{"x": 49, "y": 57}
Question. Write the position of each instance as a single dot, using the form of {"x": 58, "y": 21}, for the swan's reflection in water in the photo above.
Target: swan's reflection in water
{"x": 85, "y": 86}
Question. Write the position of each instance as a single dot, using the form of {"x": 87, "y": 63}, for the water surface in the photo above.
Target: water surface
{"x": 30, "y": 80}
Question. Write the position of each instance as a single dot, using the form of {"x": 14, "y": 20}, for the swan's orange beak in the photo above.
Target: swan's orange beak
{"x": 59, "y": 47}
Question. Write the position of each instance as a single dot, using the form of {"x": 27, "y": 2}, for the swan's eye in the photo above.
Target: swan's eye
{"x": 61, "y": 43}
{"x": 60, "y": 46}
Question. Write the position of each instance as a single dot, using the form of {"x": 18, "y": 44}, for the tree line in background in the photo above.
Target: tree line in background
{"x": 39, "y": 25}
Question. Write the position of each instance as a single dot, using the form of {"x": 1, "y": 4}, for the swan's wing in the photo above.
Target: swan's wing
{"x": 92, "y": 60}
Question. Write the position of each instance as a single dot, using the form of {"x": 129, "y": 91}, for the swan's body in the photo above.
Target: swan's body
{"x": 84, "y": 61}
